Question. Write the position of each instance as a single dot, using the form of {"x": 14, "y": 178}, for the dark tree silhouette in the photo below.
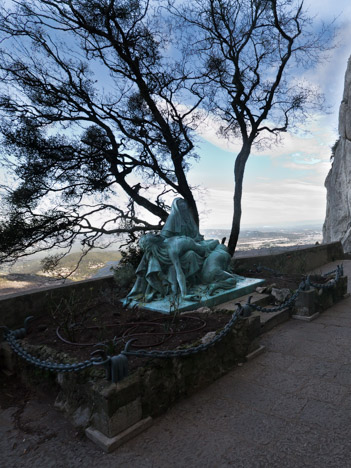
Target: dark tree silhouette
{"x": 90, "y": 117}
{"x": 97, "y": 115}
{"x": 250, "y": 52}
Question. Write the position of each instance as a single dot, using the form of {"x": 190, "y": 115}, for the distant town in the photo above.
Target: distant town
{"x": 267, "y": 238}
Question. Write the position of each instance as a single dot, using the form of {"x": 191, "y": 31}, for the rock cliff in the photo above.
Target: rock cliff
{"x": 337, "y": 224}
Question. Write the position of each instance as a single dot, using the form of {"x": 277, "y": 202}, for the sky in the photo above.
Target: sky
{"x": 283, "y": 185}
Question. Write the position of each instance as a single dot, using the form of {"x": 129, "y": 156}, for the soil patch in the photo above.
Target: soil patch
{"x": 77, "y": 329}
{"x": 111, "y": 326}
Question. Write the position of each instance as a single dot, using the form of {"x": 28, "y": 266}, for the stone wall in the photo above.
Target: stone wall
{"x": 14, "y": 308}
{"x": 113, "y": 412}
{"x": 297, "y": 261}
{"x": 167, "y": 380}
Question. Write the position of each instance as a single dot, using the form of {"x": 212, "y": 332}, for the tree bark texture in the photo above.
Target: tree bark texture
{"x": 239, "y": 170}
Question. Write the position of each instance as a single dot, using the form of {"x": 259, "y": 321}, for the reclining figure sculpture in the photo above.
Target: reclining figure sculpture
{"x": 179, "y": 262}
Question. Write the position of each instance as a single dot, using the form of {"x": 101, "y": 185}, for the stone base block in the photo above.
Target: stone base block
{"x": 306, "y": 318}
{"x": 167, "y": 305}
{"x": 108, "y": 444}
{"x": 7, "y": 363}
{"x": 124, "y": 417}
{"x": 270, "y": 320}
{"x": 305, "y": 304}
{"x": 255, "y": 353}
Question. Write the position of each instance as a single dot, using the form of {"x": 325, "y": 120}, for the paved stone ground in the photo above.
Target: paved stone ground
{"x": 290, "y": 407}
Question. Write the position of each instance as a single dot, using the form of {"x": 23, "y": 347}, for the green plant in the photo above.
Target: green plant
{"x": 174, "y": 313}
{"x": 132, "y": 255}
{"x": 124, "y": 276}
{"x": 71, "y": 312}
{"x": 111, "y": 346}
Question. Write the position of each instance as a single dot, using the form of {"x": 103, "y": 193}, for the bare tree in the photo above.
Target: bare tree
{"x": 89, "y": 110}
{"x": 251, "y": 52}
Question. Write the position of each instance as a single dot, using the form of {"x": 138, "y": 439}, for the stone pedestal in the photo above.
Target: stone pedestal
{"x": 115, "y": 409}
{"x": 109, "y": 444}
{"x": 165, "y": 306}
{"x": 7, "y": 363}
{"x": 305, "y": 303}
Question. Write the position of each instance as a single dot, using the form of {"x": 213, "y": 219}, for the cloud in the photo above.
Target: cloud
{"x": 311, "y": 141}
{"x": 283, "y": 202}
{"x": 328, "y": 9}
{"x": 299, "y": 194}
{"x": 288, "y": 201}
{"x": 209, "y": 131}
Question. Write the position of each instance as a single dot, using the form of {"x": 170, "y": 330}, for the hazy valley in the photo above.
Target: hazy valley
{"x": 28, "y": 273}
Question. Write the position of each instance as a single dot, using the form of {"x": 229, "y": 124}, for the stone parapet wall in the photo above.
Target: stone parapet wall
{"x": 14, "y": 308}
{"x": 299, "y": 261}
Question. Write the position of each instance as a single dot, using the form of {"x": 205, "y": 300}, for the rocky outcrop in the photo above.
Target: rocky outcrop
{"x": 337, "y": 224}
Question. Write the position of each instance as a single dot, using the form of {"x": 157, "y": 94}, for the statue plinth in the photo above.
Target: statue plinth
{"x": 182, "y": 271}
{"x": 169, "y": 305}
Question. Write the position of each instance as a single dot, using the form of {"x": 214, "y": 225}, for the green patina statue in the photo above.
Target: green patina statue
{"x": 179, "y": 262}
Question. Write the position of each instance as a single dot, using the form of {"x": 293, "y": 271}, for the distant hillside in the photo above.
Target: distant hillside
{"x": 88, "y": 266}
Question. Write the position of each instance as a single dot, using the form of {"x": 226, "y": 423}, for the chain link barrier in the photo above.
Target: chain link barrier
{"x": 47, "y": 365}
{"x": 117, "y": 366}
{"x": 283, "y": 305}
{"x": 187, "y": 351}
{"x": 12, "y": 337}
{"x": 339, "y": 272}
{"x": 324, "y": 275}
{"x": 305, "y": 284}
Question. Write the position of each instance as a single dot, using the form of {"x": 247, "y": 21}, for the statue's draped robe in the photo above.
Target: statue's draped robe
{"x": 180, "y": 222}
{"x": 156, "y": 275}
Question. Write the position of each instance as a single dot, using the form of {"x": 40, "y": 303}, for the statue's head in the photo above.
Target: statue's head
{"x": 148, "y": 241}
{"x": 181, "y": 205}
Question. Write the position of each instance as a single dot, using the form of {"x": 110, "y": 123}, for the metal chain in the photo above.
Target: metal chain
{"x": 117, "y": 367}
{"x": 184, "y": 352}
{"x": 324, "y": 275}
{"x": 10, "y": 337}
{"x": 339, "y": 272}
{"x": 282, "y": 306}
{"x": 305, "y": 284}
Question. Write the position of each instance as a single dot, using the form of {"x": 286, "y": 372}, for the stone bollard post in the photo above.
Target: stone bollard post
{"x": 305, "y": 305}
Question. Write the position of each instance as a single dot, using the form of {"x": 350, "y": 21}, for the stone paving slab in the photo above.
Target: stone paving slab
{"x": 289, "y": 407}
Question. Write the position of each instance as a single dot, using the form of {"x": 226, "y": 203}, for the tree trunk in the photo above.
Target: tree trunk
{"x": 192, "y": 205}
{"x": 239, "y": 170}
